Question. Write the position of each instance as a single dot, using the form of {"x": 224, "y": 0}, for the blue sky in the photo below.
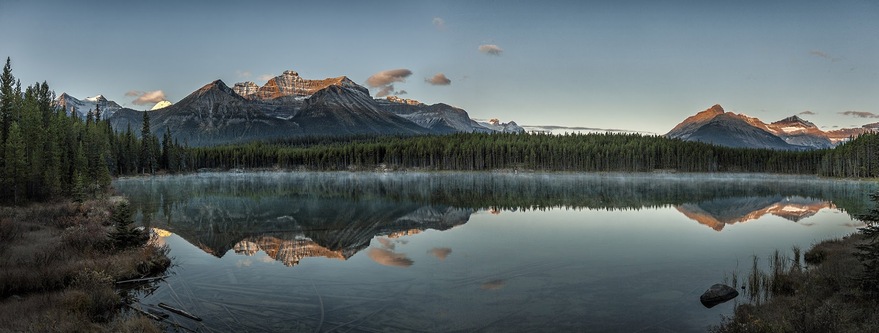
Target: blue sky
{"x": 636, "y": 65}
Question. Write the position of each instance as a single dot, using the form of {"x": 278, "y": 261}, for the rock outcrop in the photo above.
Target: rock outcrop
{"x": 717, "y": 294}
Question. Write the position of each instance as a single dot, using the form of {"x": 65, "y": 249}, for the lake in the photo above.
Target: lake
{"x": 481, "y": 251}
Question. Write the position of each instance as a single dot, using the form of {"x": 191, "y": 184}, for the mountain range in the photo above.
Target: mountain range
{"x": 82, "y": 107}
{"x": 716, "y": 126}
{"x": 287, "y": 106}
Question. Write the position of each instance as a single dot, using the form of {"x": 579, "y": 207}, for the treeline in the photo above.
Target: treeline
{"x": 47, "y": 152}
{"x": 473, "y": 151}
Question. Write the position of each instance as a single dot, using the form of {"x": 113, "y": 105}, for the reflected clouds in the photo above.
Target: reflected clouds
{"x": 493, "y": 284}
{"x": 389, "y": 258}
{"x": 440, "y": 252}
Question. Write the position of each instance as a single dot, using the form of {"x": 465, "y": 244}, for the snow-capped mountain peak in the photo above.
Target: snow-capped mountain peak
{"x": 162, "y": 104}
{"x": 96, "y": 99}
{"x": 83, "y": 106}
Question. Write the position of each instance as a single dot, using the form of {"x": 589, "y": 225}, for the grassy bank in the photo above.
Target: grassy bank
{"x": 59, "y": 263}
{"x": 827, "y": 295}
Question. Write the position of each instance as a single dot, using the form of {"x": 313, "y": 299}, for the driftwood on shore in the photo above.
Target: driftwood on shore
{"x": 179, "y": 311}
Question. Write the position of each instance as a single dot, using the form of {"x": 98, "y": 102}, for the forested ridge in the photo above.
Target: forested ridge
{"x": 47, "y": 151}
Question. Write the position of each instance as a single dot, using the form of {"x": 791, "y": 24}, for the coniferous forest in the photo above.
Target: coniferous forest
{"x": 47, "y": 151}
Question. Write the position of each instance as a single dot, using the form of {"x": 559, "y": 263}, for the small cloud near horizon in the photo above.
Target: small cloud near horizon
{"x": 808, "y": 113}
{"x": 439, "y": 79}
{"x": 859, "y": 114}
{"x": 439, "y": 23}
{"x": 146, "y": 97}
{"x": 266, "y": 77}
{"x": 491, "y": 49}
{"x": 243, "y": 74}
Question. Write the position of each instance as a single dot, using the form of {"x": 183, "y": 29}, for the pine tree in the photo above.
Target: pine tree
{"x": 147, "y": 157}
{"x": 7, "y": 100}
{"x": 16, "y": 169}
{"x": 124, "y": 235}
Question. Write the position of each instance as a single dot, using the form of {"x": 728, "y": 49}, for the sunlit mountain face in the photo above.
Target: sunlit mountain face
{"x": 719, "y": 213}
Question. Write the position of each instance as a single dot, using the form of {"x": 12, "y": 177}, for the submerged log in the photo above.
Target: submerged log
{"x": 718, "y": 293}
{"x": 179, "y": 311}
{"x": 147, "y": 314}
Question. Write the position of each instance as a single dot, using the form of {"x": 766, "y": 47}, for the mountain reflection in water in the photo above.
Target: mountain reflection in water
{"x": 291, "y": 216}
{"x": 494, "y": 252}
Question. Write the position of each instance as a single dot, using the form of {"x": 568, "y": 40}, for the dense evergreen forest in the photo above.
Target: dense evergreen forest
{"x": 47, "y": 151}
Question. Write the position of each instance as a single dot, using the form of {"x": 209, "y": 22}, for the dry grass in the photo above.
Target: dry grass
{"x": 58, "y": 269}
{"x": 823, "y": 297}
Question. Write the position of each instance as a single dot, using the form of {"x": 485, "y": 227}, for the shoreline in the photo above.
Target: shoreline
{"x": 59, "y": 263}
{"x": 823, "y": 296}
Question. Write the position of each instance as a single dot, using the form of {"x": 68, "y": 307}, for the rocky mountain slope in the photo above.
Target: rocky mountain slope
{"x": 716, "y": 126}
{"x": 288, "y": 106}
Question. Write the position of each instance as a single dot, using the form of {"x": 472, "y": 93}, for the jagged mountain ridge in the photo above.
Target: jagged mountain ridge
{"x": 716, "y": 126}
{"x": 288, "y": 106}
{"x": 216, "y": 114}
{"x": 83, "y": 106}
{"x": 290, "y": 89}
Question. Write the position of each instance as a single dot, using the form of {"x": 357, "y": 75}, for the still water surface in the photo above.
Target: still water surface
{"x": 492, "y": 252}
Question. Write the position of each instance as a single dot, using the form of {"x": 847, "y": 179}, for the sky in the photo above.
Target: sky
{"x": 633, "y": 65}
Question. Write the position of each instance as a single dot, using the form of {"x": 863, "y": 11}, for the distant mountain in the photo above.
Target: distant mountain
{"x": 716, "y": 126}
{"x": 288, "y": 106}
{"x": 440, "y": 118}
{"x": 799, "y": 132}
{"x": 728, "y": 129}
{"x": 508, "y": 127}
{"x": 83, "y": 106}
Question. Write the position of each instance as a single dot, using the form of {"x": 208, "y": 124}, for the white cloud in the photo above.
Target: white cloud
{"x": 386, "y": 90}
{"x": 266, "y": 77}
{"x": 387, "y": 77}
{"x": 491, "y": 49}
{"x": 384, "y": 81}
{"x": 439, "y": 79}
{"x": 146, "y": 97}
{"x": 243, "y": 74}
{"x": 439, "y": 23}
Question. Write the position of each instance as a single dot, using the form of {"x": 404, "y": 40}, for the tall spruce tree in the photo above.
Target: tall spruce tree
{"x": 16, "y": 169}
{"x": 147, "y": 156}
{"x": 7, "y": 99}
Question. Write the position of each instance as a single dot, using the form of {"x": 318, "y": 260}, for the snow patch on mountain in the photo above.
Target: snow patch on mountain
{"x": 160, "y": 105}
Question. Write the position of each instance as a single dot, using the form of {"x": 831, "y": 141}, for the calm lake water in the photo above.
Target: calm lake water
{"x": 489, "y": 252}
